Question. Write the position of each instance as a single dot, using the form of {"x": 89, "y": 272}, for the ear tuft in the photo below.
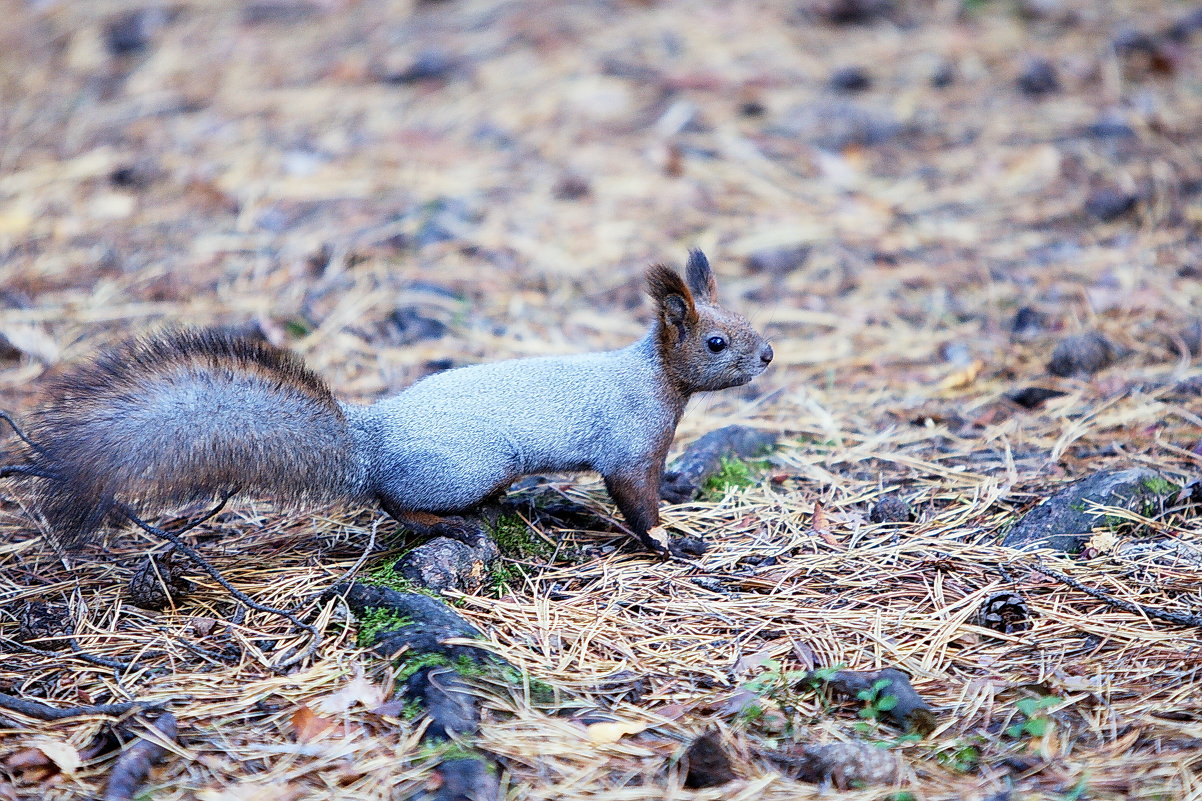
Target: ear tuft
{"x": 701, "y": 278}
{"x": 673, "y": 301}
{"x": 663, "y": 282}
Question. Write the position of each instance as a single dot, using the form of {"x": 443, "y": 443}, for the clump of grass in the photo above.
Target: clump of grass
{"x": 373, "y": 621}
{"x": 735, "y": 473}
{"x": 383, "y": 574}
{"x": 1158, "y": 485}
{"x": 516, "y": 539}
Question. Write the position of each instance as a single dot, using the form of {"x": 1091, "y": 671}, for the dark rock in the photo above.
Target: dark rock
{"x": 852, "y": 12}
{"x": 778, "y": 260}
{"x": 752, "y": 108}
{"x": 944, "y": 75}
{"x": 910, "y": 711}
{"x": 1107, "y": 205}
{"x": 408, "y": 325}
{"x": 447, "y": 699}
{"x": 8, "y": 351}
{"x": 465, "y": 779}
{"x": 1063, "y": 522}
{"x": 687, "y": 547}
{"x": 133, "y": 176}
{"x": 851, "y": 79}
{"x": 1110, "y": 126}
{"x": 160, "y": 582}
{"x": 1034, "y": 397}
{"x": 132, "y": 32}
{"x": 706, "y": 762}
{"x": 572, "y": 187}
{"x": 421, "y": 609}
{"x": 1039, "y": 78}
{"x": 1028, "y": 323}
{"x": 1082, "y": 355}
{"x": 428, "y": 65}
{"x": 891, "y": 509}
{"x": 1131, "y": 40}
{"x": 442, "y": 564}
{"x": 703, "y": 459}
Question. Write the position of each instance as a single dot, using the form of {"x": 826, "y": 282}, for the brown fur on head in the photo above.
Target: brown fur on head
{"x": 702, "y": 345}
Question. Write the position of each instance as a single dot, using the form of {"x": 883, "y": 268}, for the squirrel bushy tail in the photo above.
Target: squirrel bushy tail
{"x": 185, "y": 417}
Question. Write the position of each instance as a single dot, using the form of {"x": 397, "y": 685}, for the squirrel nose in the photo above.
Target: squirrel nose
{"x": 766, "y": 354}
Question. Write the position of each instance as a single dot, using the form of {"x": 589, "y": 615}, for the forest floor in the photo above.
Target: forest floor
{"x": 918, "y": 202}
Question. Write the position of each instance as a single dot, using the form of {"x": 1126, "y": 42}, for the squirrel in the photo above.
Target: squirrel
{"x": 194, "y": 415}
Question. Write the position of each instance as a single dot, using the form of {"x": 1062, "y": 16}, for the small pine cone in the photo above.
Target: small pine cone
{"x": 159, "y": 582}
{"x": 39, "y": 620}
{"x": 1006, "y": 612}
{"x": 846, "y": 765}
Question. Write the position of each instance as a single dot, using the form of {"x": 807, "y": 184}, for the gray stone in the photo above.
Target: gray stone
{"x": 1063, "y": 522}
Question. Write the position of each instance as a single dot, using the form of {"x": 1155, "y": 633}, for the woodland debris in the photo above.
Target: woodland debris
{"x": 1006, "y": 612}
{"x": 1108, "y": 204}
{"x": 44, "y": 624}
{"x": 685, "y": 475}
{"x": 160, "y": 581}
{"x": 851, "y": 79}
{"x": 1082, "y": 355}
{"x": 466, "y": 779}
{"x": 1039, "y": 78}
{"x": 891, "y": 509}
{"x": 706, "y": 762}
{"x": 1063, "y": 521}
{"x": 910, "y": 711}
{"x": 844, "y": 765}
{"x": 131, "y": 768}
{"x": 428, "y": 622}
{"x": 36, "y": 709}
{"x": 1034, "y": 397}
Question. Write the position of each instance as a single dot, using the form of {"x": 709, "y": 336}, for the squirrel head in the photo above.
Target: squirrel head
{"x": 702, "y": 345}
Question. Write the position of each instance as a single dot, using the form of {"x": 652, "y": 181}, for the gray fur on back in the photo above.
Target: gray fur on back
{"x": 453, "y": 438}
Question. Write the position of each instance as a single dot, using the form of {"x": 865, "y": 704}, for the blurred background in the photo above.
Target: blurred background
{"x": 397, "y": 187}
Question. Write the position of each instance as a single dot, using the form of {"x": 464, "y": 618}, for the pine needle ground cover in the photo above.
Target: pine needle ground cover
{"x": 970, "y": 230}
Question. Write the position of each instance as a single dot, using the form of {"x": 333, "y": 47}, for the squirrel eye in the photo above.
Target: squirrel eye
{"x": 716, "y": 344}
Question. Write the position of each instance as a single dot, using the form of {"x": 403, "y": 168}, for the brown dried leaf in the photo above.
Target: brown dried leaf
{"x": 309, "y": 726}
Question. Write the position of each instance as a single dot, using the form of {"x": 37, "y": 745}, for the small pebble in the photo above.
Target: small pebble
{"x": 944, "y": 75}
{"x": 1081, "y": 355}
{"x": 1039, "y": 78}
{"x": 851, "y": 79}
{"x": 891, "y": 509}
{"x": 1107, "y": 205}
{"x": 1028, "y": 323}
{"x": 572, "y": 187}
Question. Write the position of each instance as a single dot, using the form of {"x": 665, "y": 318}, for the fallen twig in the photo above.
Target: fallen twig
{"x": 1180, "y": 618}
{"x": 135, "y": 762}
{"x": 36, "y": 709}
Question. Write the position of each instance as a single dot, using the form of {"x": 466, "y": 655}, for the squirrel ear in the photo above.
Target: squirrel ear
{"x": 701, "y": 278}
{"x": 672, "y": 297}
